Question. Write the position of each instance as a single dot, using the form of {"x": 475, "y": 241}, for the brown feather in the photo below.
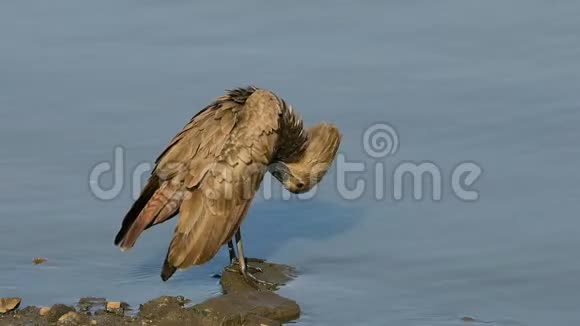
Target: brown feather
{"x": 220, "y": 199}
{"x": 177, "y": 163}
{"x": 161, "y": 206}
{"x": 146, "y": 194}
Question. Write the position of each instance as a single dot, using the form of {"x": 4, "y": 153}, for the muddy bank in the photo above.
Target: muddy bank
{"x": 240, "y": 304}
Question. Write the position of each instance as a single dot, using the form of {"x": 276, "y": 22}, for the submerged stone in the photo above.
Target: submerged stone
{"x": 90, "y": 304}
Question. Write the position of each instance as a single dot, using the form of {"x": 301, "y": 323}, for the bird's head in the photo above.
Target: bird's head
{"x": 303, "y": 173}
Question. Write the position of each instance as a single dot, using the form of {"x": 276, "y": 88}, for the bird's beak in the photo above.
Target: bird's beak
{"x": 280, "y": 171}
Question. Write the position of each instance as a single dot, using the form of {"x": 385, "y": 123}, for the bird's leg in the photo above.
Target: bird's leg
{"x": 234, "y": 259}
{"x": 250, "y": 278}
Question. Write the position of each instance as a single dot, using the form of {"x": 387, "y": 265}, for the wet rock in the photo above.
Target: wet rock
{"x": 28, "y": 311}
{"x": 102, "y": 317}
{"x": 247, "y": 308}
{"x": 260, "y": 321}
{"x": 468, "y": 319}
{"x": 241, "y": 305}
{"x": 9, "y": 304}
{"x": 233, "y": 282}
{"x": 23, "y": 317}
{"x": 57, "y": 311}
{"x": 161, "y": 307}
{"x": 90, "y": 304}
{"x": 72, "y": 318}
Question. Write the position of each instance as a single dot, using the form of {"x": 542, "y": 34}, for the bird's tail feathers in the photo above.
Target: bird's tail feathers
{"x": 157, "y": 203}
{"x": 167, "y": 270}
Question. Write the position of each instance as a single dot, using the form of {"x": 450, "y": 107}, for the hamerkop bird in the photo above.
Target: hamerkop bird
{"x": 212, "y": 168}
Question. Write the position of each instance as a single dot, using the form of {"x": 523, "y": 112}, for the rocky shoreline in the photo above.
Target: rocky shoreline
{"x": 240, "y": 304}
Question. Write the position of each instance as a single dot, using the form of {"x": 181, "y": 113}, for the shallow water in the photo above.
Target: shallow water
{"x": 488, "y": 82}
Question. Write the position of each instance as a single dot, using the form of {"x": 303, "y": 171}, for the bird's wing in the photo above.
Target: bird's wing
{"x": 220, "y": 193}
{"x": 187, "y": 159}
{"x": 162, "y": 195}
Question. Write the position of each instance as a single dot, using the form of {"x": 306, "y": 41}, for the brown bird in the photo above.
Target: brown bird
{"x": 212, "y": 168}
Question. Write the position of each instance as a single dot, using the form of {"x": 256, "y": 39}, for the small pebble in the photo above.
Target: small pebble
{"x": 43, "y": 310}
{"x": 113, "y": 305}
{"x": 116, "y": 307}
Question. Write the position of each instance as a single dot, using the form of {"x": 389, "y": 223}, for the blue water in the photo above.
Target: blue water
{"x": 493, "y": 82}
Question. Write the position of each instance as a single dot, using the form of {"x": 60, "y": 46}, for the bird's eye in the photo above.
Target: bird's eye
{"x": 299, "y": 185}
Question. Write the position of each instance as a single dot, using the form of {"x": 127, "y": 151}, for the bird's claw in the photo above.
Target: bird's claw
{"x": 250, "y": 268}
{"x": 254, "y": 282}
{"x": 248, "y": 274}
{"x": 254, "y": 269}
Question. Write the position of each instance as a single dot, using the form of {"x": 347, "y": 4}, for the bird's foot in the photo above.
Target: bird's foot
{"x": 248, "y": 274}
{"x": 255, "y": 282}
{"x": 235, "y": 266}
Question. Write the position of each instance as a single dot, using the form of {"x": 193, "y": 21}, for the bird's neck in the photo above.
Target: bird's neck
{"x": 292, "y": 138}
